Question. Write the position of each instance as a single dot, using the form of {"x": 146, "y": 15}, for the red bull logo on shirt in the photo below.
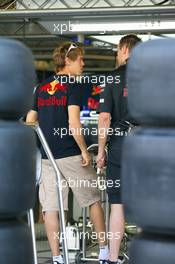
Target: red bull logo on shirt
{"x": 52, "y": 100}
{"x": 96, "y": 90}
{"x": 52, "y": 87}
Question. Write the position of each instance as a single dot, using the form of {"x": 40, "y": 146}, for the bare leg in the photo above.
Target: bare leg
{"x": 116, "y": 228}
{"x": 51, "y": 222}
{"x": 97, "y": 217}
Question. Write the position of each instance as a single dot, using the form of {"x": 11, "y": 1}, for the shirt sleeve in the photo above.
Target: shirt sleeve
{"x": 35, "y": 99}
{"x": 75, "y": 95}
{"x": 105, "y": 101}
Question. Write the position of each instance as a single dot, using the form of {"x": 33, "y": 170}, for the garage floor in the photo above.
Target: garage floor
{"x": 44, "y": 254}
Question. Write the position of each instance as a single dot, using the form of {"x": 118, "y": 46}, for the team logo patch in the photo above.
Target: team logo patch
{"x": 125, "y": 92}
{"x": 52, "y": 87}
{"x": 96, "y": 90}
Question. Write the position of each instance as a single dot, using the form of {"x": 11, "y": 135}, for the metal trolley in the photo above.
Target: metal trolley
{"x": 82, "y": 255}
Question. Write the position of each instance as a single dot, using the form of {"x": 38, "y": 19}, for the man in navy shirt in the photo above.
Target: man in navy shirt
{"x": 114, "y": 115}
{"x": 57, "y": 104}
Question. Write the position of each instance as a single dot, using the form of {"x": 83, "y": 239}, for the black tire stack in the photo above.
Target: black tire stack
{"x": 17, "y": 152}
{"x": 148, "y": 171}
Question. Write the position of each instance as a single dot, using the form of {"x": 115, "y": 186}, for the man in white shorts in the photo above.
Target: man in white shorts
{"x": 57, "y": 108}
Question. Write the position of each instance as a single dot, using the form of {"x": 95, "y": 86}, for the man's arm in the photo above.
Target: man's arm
{"x": 103, "y": 126}
{"x": 32, "y": 115}
{"x": 104, "y": 121}
{"x": 76, "y": 130}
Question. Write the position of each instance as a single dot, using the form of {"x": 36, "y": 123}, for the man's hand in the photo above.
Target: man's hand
{"x": 100, "y": 159}
{"x": 32, "y": 117}
{"x": 86, "y": 158}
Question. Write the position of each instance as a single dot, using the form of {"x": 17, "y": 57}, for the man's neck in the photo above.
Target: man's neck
{"x": 63, "y": 73}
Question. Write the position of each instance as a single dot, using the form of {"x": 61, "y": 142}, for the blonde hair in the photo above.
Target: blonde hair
{"x": 60, "y": 52}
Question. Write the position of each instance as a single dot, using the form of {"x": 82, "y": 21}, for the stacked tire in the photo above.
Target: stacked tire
{"x": 17, "y": 152}
{"x": 148, "y": 162}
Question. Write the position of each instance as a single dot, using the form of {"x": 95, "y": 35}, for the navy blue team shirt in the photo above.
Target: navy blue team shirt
{"x": 51, "y": 100}
{"x": 113, "y": 99}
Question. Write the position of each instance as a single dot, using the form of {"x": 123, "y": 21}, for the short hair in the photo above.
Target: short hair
{"x": 60, "y": 52}
{"x": 129, "y": 41}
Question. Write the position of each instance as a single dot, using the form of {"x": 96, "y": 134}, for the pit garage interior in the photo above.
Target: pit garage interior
{"x": 97, "y": 25}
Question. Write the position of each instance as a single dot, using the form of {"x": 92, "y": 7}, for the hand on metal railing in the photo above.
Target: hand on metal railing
{"x": 31, "y": 124}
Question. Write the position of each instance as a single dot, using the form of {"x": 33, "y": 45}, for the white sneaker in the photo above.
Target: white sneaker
{"x": 103, "y": 261}
{"x": 121, "y": 260}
